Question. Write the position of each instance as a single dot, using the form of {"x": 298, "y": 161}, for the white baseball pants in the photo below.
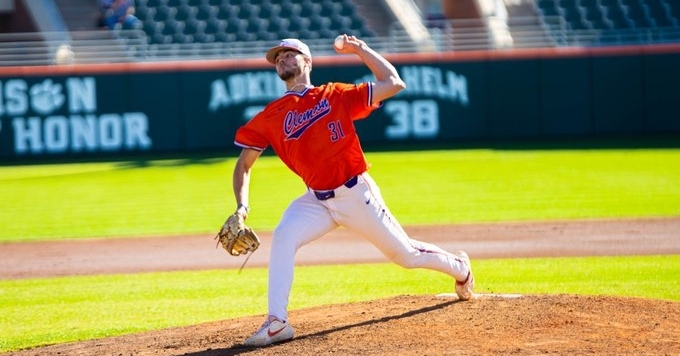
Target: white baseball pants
{"x": 360, "y": 209}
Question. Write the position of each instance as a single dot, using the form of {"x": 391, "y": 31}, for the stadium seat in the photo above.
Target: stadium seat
{"x": 636, "y": 12}
{"x": 573, "y": 14}
{"x": 245, "y": 11}
{"x": 172, "y": 27}
{"x": 152, "y": 28}
{"x": 175, "y": 3}
{"x": 308, "y": 34}
{"x": 182, "y": 38}
{"x": 243, "y": 36}
{"x": 341, "y": 24}
{"x": 347, "y": 8}
{"x": 298, "y": 24}
{"x": 234, "y": 25}
{"x": 285, "y": 10}
{"x": 277, "y": 24}
{"x": 594, "y": 15}
{"x": 193, "y": 27}
{"x": 157, "y": 36}
{"x": 310, "y": 9}
{"x": 358, "y": 25}
{"x": 205, "y": 12}
{"x": 318, "y": 23}
{"x": 186, "y": 12}
{"x": 225, "y": 11}
{"x": 617, "y": 15}
{"x": 254, "y": 25}
{"x": 164, "y": 13}
{"x": 214, "y": 26}
{"x": 660, "y": 11}
{"x": 156, "y": 3}
{"x": 225, "y": 37}
{"x": 547, "y": 8}
{"x": 146, "y": 13}
{"x": 326, "y": 8}
{"x": 264, "y": 35}
{"x": 268, "y": 12}
{"x": 620, "y": 21}
{"x": 263, "y": 20}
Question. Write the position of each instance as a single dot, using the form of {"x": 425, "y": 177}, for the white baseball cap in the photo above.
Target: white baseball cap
{"x": 288, "y": 43}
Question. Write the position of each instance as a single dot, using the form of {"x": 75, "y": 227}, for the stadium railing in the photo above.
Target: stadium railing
{"x": 100, "y": 46}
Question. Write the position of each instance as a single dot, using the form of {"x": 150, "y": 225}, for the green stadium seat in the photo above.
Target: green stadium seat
{"x": 252, "y": 20}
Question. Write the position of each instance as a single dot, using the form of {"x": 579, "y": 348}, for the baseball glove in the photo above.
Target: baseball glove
{"x": 236, "y": 237}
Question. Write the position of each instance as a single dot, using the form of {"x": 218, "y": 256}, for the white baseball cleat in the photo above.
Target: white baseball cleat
{"x": 465, "y": 288}
{"x": 272, "y": 331}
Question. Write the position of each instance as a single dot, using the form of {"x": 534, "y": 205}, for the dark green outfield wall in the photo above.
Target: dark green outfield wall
{"x": 101, "y": 110}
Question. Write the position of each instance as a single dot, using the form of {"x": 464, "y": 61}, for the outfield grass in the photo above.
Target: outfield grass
{"x": 46, "y": 311}
{"x": 428, "y": 187}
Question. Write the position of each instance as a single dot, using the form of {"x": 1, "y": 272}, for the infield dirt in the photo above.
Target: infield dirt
{"x": 493, "y": 324}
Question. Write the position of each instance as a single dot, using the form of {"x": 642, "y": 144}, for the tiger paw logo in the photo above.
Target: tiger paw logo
{"x": 47, "y": 97}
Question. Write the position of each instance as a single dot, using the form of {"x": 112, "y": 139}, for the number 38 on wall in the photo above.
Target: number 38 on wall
{"x": 417, "y": 119}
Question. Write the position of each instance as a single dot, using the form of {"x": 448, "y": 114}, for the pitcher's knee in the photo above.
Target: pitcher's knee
{"x": 281, "y": 240}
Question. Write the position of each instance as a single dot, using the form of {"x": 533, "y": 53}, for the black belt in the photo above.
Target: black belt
{"x": 328, "y": 194}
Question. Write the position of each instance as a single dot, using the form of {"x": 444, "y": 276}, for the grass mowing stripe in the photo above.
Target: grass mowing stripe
{"x": 194, "y": 196}
{"x": 528, "y": 185}
{"x": 44, "y": 311}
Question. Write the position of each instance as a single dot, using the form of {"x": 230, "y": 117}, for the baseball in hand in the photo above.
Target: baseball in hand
{"x": 339, "y": 42}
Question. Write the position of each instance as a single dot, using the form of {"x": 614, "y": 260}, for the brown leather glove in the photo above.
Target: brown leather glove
{"x": 236, "y": 237}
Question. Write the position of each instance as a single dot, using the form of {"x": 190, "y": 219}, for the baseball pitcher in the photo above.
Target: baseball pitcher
{"x": 311, "y": 129}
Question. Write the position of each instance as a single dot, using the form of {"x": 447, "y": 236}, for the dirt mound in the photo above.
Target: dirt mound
{"x": 427, "y": 325}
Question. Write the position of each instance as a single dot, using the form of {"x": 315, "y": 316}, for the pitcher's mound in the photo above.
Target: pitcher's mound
{"x": 492, "y": 324}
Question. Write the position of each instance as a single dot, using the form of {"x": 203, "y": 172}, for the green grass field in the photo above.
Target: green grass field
{"x": 428, "y": 187}
{"x": 193, "y": 196}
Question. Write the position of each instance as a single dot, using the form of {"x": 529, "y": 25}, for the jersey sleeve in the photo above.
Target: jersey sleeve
{"x": 252, "y": 135}
{"x": 358, "y": 98}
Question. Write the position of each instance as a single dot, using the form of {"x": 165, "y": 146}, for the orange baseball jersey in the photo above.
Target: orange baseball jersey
{"x": 313, "y": 132}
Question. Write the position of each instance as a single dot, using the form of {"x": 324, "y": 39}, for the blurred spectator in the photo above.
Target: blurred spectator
{"x": 117, "y": 14}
